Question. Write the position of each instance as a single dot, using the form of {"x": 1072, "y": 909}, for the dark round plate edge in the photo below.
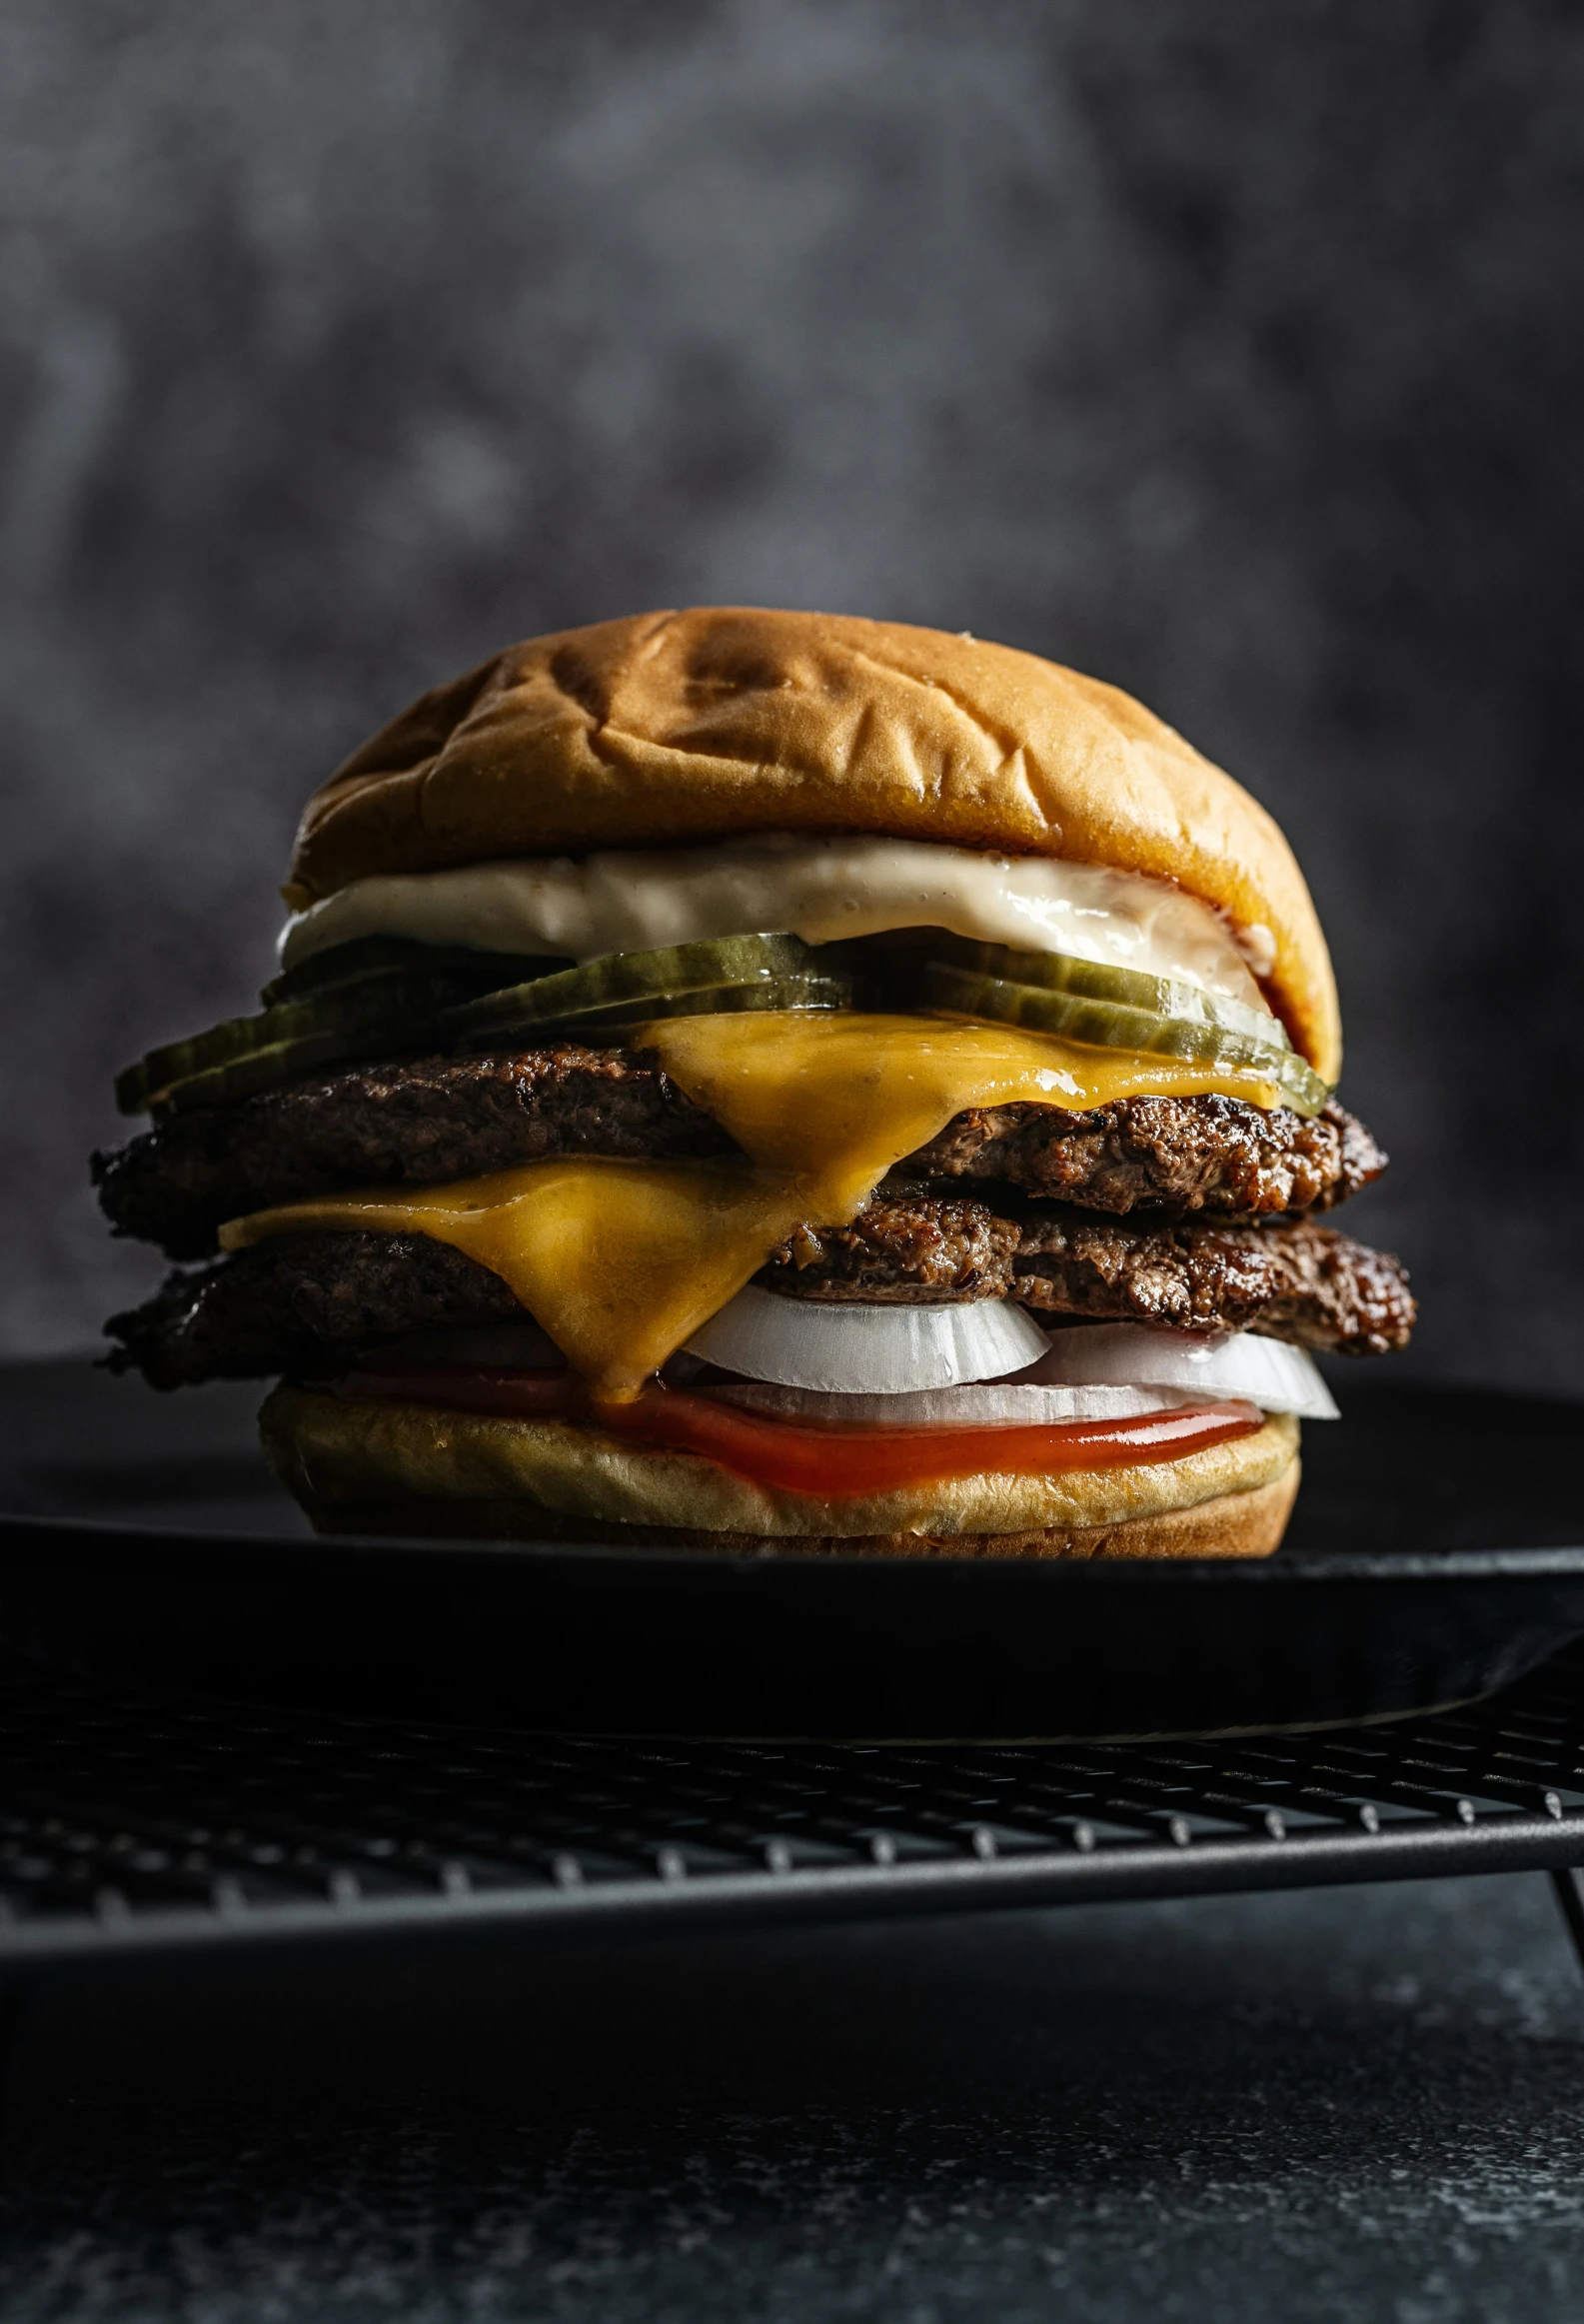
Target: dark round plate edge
{"x": 30, "y": 1542}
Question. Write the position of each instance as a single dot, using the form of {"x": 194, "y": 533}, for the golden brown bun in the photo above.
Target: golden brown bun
{"x": 1235, "y": 1525}
{"x": 420, "y": 1469}
{"x": 672, "y": 728}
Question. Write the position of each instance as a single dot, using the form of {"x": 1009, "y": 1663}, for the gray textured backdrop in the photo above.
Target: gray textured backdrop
{"x": 1233, "y": 352}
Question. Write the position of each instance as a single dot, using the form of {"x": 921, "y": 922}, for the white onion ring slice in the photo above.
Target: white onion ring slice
{"x": 867, "y": 1349}
{"x": 1271, "y": 1375}
{"x": 979, "y": 1405}
{"x": 895, "y": 1357}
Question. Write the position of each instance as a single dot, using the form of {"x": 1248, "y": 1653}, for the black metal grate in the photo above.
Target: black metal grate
{"x": 130, "y": 1819}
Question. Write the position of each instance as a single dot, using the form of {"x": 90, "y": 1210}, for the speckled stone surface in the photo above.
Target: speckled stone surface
{"x": 1358, "y": 2103}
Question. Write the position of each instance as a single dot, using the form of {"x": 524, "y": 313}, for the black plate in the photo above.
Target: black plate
{"x": 1435, "y": 1554}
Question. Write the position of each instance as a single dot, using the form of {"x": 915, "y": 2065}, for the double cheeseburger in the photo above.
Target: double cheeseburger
{"x": 767, "y": 1080}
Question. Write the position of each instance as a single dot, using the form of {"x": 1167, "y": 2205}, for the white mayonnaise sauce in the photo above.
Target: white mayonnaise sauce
{"x": 819, "y": 889}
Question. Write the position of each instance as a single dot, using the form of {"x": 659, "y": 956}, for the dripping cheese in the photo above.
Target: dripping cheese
{"x": 621, "y": 1261}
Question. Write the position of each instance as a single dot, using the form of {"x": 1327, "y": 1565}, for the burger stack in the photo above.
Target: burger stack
{"x": 751, "y": 1080}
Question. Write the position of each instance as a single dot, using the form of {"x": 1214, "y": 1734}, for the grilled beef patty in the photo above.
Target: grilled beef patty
{"x": 1179, "y": 1155}
{"x": 1300, "y": 1282}
{"x": 432, "y": 1118}
{"x": 289, "y": 1303}
{"x": 1296, "y": 1281}
{"x": 416, "y": 1123}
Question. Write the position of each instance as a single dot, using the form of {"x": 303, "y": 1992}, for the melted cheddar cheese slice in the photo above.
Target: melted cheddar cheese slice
{"x": 621, "y": 1261}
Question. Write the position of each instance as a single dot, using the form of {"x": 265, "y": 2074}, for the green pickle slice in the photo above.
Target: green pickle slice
{"x": 619, "y": 978}
{"x": 1198, "y": 1038}
{"x": 1127, "y": 988}
{"x": 378, "y": 992}
{"x": 260, "y": 1069}
{"x": 370, "y": 960}
{"x": 591, "y": 1024}
{"x": 387, "y": 996}
{"x": 395, "y": 1014}
{"x": 348, "y": 1029}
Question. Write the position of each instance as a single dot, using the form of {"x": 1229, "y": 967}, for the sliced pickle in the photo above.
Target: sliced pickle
{"x": 591, "y": 1024}
{"x": 388, "y": 1018}
{"x": 257, "y": 1071}
{"x": 1103, "y": 981}
{"x": 389, "y": 1000}
{"x": 142, "y": 1085}
{"x": 615, "y": 978}
{"x": 1107, "y": 1024}
{"x": 350, "y": 1025}
{"x": 270, "y": 1066}
{"x": 885, "y": 969}
{"x": 378, "y": 959}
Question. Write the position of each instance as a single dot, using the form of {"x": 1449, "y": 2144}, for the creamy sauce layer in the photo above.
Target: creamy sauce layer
{"x": 621, "y": 1261}
{"x": 821, "y": 889}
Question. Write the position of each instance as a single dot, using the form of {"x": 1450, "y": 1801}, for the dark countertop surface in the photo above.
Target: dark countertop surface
{"x": 1365, "y": 2103}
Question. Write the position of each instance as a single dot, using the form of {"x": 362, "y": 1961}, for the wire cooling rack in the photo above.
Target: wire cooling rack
{"x": 137, "y": 1820}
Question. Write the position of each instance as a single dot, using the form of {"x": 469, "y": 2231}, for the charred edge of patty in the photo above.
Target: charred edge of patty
{"x": 908, "y": 1245}
{"x": 1293, "y": 1281}
{"x": 1300, "y": 1282}
{"x": 1179, "y": 1156}
{"x": 286, "y": 1305}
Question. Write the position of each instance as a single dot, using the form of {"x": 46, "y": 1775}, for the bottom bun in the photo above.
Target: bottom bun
{"x": 1235, "y": 1525}
{"x": 417, "y": 1469}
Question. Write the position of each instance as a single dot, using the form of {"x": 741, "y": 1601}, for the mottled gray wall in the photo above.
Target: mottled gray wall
{"x": 1232, "y": 351}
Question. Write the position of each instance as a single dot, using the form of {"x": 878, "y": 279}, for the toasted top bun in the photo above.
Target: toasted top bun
{"x": 681, "y": 727}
